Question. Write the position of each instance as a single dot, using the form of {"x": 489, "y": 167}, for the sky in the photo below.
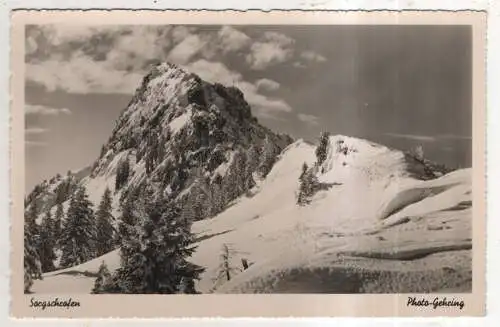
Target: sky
{"x": 400, "y": 86}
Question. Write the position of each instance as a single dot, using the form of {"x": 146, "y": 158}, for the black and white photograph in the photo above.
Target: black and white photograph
{"x": 272, "y": 159}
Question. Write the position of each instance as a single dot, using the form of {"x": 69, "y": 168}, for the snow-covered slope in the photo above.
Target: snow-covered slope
{"x": 383, "y": 225}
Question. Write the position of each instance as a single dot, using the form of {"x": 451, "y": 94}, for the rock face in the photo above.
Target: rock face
{"x": 194, "y": 141}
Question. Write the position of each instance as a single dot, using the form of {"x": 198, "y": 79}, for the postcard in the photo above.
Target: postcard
{"x": 247, "y": 164}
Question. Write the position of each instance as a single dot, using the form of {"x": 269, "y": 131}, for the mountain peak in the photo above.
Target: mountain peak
{"x": 180, "y": 131}
{"x": 169, "y": 98}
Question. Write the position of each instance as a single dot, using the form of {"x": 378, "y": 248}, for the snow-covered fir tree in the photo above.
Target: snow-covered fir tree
{"x": 226, "y": 270}
{"x": 122, "y": 173}
{"x": 64, "y": 189}
{"x": 105, "y": 230}
{"x": 308, "y": 185}
{"x": 127, "y": 218}
{"x": 269, "y": 154}
{"x": 218, "y": 197}
{"x": 321, "y": 150}
{"x": 32, "y": 265}
{"x": 154, "y": 151}
{"x": 79, "y": 233}
{"x": 301, "y": 198}
{"x": 31, "y": 216}
{"x": 253, "y": 155}
{"x": 418, "y": 152}
{"x": 47, "y": 243}
{"x": 243, "y": 175}
{"x": 196, "y": 206}
{"x": 103, "y": 276}
{"x": 58, "y": 222}
{"x": 154, "y": 255}
{"x": 231, "y": 184}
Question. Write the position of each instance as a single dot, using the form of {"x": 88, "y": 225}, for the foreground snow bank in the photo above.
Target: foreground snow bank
{"x": 360, "y": 275}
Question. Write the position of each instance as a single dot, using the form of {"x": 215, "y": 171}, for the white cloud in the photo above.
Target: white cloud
{"x": 278, "y": 38}
{"x": 312, "y": 56}
{"x": 30, "y": 45}
{"x": 184, "y": 51}
{"x": 308, "y": 119}
{"x": 217, "y": 72}
{"x": 36, "y": 143}
{"x": 232, "y": 40}
{"x": 124, "y": 53}
{"x": 455, "y": 137}
{"x": 35, "y": 130}
{"x": 263, "y": 55}
{"x": 263, "y": 105}
{"x": 422, "y": 138}
{"x": 81, "y": 74}
{"x": 426, "y": 138}
{"x": 122, "y": 57}
{"x": 214, "y": 72}
{"x": 62, "y": 34}
{"x": 267, "y": 85}
{"x": 36, "y": 109}
{"x": 273, "y": 49}
{"x": 299, "y": 64}
{"x": 308, "y": 56}
{"x": 138, "y": 45}
{"x": 179, "y": 33}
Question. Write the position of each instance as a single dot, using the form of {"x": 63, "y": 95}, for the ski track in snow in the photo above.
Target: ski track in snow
{"x": 375, "y": 220}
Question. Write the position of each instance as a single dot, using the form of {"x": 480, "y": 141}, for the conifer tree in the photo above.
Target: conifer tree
{"x": 127, "y": 221}
{"x": 419, "y": 152}
{"x": 32, "y": 265}
{"x": 253, "y": 158}
{"x": 103, "y": 151}
{"x": 105, "y": 230}
{"x": 47, "y": 243}
{"x": 231, "y": 181}
{"x": 302, "y": 185}
{"x": 103, "y": 277}
{"x": 322, "y": 149}
{"x": 244, "y": 174}
{"x": 200, "y": 200}
{"x": 153, "y": 151}
{"x": 31, "y": 217}
{"x": 79, "y": 233}
{"x": 308, "y": 185}
{"x": 201, "y": 205}
{"x": 122, "y": 174}
{"x": 196, "y": 206}
{"x": 218, "y": 198}
{"x": 154, "y": 256}
{"x": 62, "y": 191}
{"x": 32, "y": 227}
{"x": 268, "y": 157}
{"x": 305, "y": 168}
{"x": 58, "y": 220}
{"x": 225, "y": 269}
